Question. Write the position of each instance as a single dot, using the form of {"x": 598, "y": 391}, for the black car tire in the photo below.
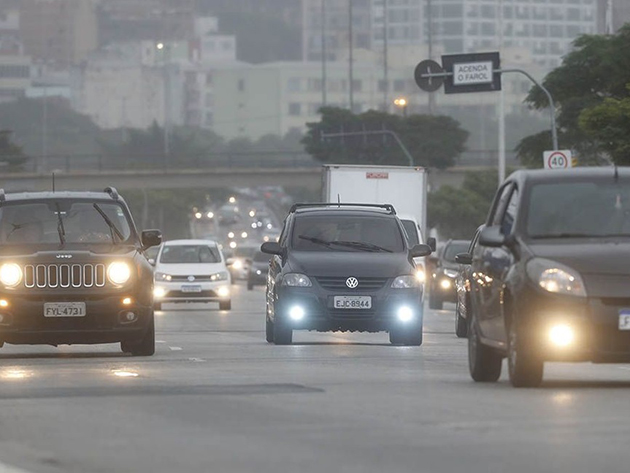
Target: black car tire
{"x": 409, "y": 337}
{"x": 524, "y": 366}
{"x": 268, "y": 330}
{"x": 225, "y": 305}
{"x": 146, "y": 346}
{"x": 282, "y": 335}
{"x": 250, "y": 286}
{"x": 461, "y": 327}
{"x": 435, "y": 302}
{"x": 484, "y": 363}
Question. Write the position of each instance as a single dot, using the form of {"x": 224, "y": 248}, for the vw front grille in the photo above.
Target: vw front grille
{"x": 337, "y": 283}
{"x": 64, "y": 275}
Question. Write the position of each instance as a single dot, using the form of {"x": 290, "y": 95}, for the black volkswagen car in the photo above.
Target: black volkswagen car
{"x": 345, "y": 267}
{"x": 73, "y": 270}
{"x": 551, "y": 274}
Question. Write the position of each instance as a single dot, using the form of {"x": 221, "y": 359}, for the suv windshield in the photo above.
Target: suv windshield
{"x": 178, "y": 254}
{"x": 60, "y": 222}
{"x": 453, "y": 249}
{"x": 346, "y": 233}
{"x": 580, "y": 209}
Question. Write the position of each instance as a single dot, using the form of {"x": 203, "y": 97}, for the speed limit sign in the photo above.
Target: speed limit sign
{"x": 557, "y": 159}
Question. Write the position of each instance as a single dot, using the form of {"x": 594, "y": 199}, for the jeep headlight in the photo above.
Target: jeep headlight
{"x": 10, "y": 274}
{"x": 159, "y": 276}
{"x": 118, "y": 272}
{"x": 296, "y": 280}
{"x": 222, "y": 276}
{"x": 406, "y": 281}
{"x": 555, "y": 277}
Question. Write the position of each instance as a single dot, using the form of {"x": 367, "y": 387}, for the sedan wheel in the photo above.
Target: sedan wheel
{"x": 525, "y": 368}
{"x": 461, "y": 327}
{"x": 268, "y": 330}
{"x": 483, "y": 362}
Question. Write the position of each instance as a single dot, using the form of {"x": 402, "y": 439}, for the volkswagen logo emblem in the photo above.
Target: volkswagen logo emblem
{"x": 352, "y": 282}
{"x": 191, "y": 278}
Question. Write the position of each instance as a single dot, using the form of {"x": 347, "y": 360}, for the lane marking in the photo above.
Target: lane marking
{"x": 4, "y": 468}
{"x": 197, "y": 360}
{"x": 160, "y": 341}
{"x": 176, "y": 348}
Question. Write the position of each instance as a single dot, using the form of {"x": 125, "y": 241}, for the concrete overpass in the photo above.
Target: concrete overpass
{"x": 302, "y": 177}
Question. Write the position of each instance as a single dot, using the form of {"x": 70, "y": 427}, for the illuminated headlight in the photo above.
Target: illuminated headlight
{"x": 296, "y": 280}
{"x": 118, "y": 272}
{"x": 223, "y": 292}
{"x": 231, "y": 235}
{"x": 405, "y": 282}
{"x": 451, "y": 273}
{"x": 561, "y": 335}
{"x": 405, "y": 314}
{"x": 296, "y": 312}
{"x": 445, "y": 284}
{"x": 159, "y": 292}
{"x": 198, "y": 215}
{"x": 222, "y": 276}
{"x": 238, "y": 264}
{"x": 10, "y": 274}
{"x": 232, "y": 244}
{"x": 210, "y": 215}
{"x": 555, "y": 277}
{"x": 162, "y": 276}
{"x": 244, "y": 235}
{"x": 421, "y": 275}
{"x": 259, "y": 272}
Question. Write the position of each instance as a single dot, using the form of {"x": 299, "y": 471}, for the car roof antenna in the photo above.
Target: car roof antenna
{"x": 616, "y": 173}
{"x": 53, "y": 182}
{"x": 338, "y": 200}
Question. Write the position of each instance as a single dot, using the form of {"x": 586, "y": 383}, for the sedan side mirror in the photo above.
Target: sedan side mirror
{"x": 271, "y": 248}
{"x": 432, "y": 242}
{"x": 151, "y": 238}
{"x": 492, "y": 237}
{"x": 463, "y": 258}
{"x": 420, "y": 250}
{"x": 152, "y": 261}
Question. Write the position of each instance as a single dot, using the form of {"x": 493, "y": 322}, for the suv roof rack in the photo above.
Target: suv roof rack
{"x": 388, "y": 207}
{"x": 112, "y": 192}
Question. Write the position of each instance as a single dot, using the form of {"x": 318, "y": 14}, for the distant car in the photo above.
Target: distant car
{"x": 346, "y": 267}
{"x": 551, "y": 273}
{"x": 240, "y": 259}
{"x": 258, "y": 270}
{"x": 73, "y": 270}
{"x": 191, "y": 271}
{"x": 462, "y": 285}
{"x": 442, "y": 280}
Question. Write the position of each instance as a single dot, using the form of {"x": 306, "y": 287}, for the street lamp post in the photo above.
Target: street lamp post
{"x": 167, "y": 93}
{"x": 402, "y": 103}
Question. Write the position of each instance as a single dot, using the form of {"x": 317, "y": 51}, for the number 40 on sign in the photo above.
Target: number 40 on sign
{"x": 557, "y": 159}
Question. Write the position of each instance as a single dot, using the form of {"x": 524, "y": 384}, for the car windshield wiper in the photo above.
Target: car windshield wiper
{"x": 360, "y": 245}
{"x": 318, "y": 241}
{"x": 580, "y": 235}
{"x": 61, "y": 230}
{"x": 110, "y": 224}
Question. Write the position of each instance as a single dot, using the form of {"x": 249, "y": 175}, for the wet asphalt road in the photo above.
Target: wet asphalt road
{"x": 217, "y": 398}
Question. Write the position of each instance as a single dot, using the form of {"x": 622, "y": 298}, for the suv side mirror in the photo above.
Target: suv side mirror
{"x": 492, "y": 237}
{"x": 151, "y": 238}
{"x": 432, "y": 242}
{"x": 463, "y": 258}
{"x": 420, "y": 250}
{"x": 271, "y": 248}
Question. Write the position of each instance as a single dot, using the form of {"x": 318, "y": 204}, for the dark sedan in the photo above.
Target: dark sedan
{"x": 258, "y": 270}
{"x": 551, "y": 274}
{"x": 443, "y": 288}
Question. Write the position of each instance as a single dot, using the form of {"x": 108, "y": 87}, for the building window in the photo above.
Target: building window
{"x": 295, "y": 109}
{"x": 313, "y": 108}
{"x": 357, "y": 85}
{"x": 208, "y": 79}
{"x": 314, "y": 85}
{"x": 15, "y": 71}
{"x": 294, "y": 84}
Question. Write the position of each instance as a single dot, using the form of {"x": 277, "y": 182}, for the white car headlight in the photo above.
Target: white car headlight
{"x": 555, "y": 277}
{"x": 238, "y": 264}
{"x": 10, "y": 274}
{"x": 222, "y": 276}
{"x": 451, "y": 273}
{"x": 406, "y": 281}
{"x": 162, "y": 276}
{"x": 296, "y": 280}
{"x": 421, "y": 275}
{"x": 118, "y": 272}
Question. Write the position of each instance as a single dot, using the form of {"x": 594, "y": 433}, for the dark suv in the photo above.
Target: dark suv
{"x": 344, "y": 267}
{"x": 551, "y": 274}
{"x": 73, "y": 270}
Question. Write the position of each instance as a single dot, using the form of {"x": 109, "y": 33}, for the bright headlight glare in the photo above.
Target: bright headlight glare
{"x": 405, "y": 282}
{"x": 296, "y": 312}
{"x": 118, "y": 272}
{"x": 445, "y": 284}
{"x": 159, "y": 292}
{"x": 421, "y": 275}
{"x": 405, "y": 314}
{"x": 555, "y": 277}
{"x": 238, "y": 264}
{"x": 296, "y": 280}
{"x": 561, "y": 335}
{"x": 10, "y": 274}
{"x": 223, "y": 292}
{"x": 162, "y": 276}
{"x": 451, "y": 273}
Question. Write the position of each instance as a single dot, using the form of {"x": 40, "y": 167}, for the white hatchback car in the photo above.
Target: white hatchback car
{"x": 191, "y": 271}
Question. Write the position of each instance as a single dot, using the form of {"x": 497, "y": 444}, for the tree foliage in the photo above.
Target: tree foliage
{"x": 432, "y": 141}
{"x": 11, "y": 155}
{"x": 594, "y": 74}
{"x": 457, "y": 212}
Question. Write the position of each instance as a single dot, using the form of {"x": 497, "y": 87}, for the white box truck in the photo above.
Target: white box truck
{"x": 404, "y": 187}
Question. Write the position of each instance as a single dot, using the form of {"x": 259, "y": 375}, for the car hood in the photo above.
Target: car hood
{"x": 334, "y": 263}
{"x": 187, "y": 269}
{"x": 603, "y": 264}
